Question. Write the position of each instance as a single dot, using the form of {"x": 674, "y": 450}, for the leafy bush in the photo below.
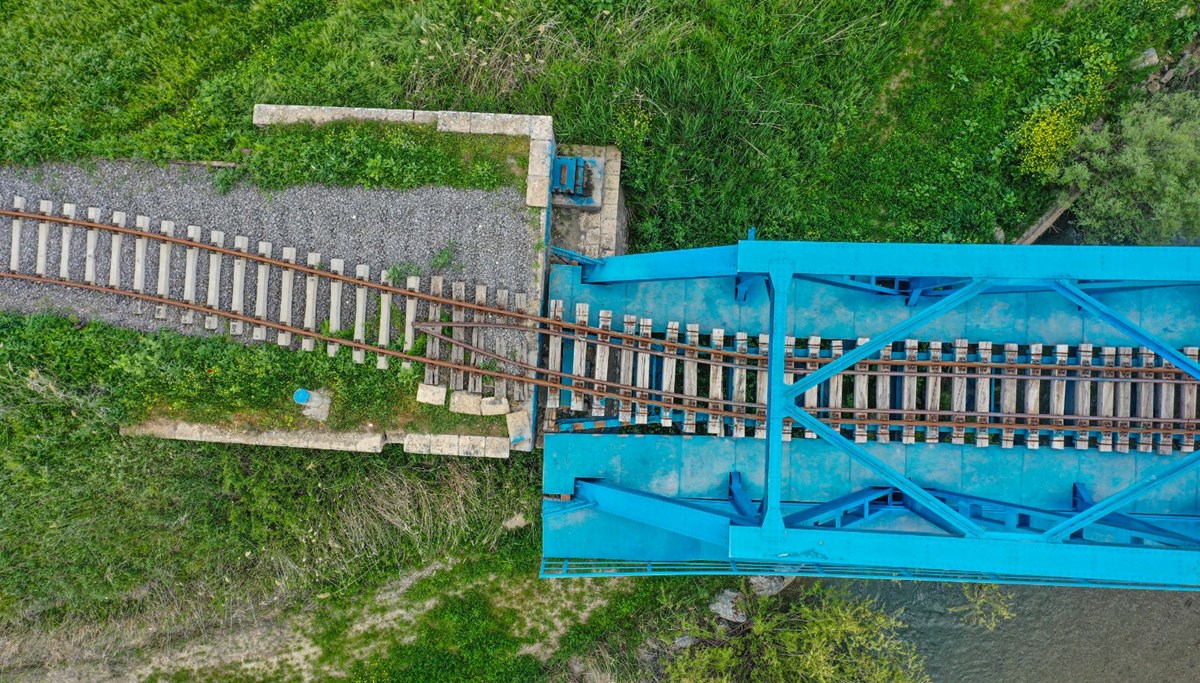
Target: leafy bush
{"x": 818, "y": 634}
{"x": 985, "y": 605}
{"x": 1139, "y": 175}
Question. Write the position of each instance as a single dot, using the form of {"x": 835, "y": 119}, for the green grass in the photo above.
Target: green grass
{"x": 212, "y": 379}
{"x": 845, "y": 119}
{"x": 378, "y": 155}
{"x": 97, "y": 528}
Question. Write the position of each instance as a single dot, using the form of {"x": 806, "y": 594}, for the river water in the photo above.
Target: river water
{"x": 1057, "y": 635}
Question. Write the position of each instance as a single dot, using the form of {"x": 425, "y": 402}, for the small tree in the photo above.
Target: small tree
{"x": 815, "y": 635}
{"x": 1139, "y": 177}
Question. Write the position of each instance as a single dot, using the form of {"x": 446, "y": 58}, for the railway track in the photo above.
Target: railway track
{"x": 598, "y": 372}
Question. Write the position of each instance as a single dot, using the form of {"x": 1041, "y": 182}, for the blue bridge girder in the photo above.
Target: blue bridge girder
{"x": 1095, "y": 542}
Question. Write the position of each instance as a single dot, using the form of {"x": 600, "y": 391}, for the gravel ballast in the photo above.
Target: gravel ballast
{"x": 494, "y": 238}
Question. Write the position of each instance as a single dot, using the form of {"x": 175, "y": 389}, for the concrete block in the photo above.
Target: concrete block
{"x": 424, "y": 117}
{"x": 454, "y": 122}
{"x": 541, "y": 128}
{"x": 493, "y": 405}
{"x": 495, "y": 447}
{"x": 471, "y": 446}
{"x": 537, "y": 191}
{"x": 432, "y": 394}
{"x": 262, "y": 114}
{"x": 269, "y": 114}
{"x": 516, "y": 125}
{"x": 520, "y": 429}
{"x": 362, "y": 442}
{"x": 481, "y": 123}
{"x": 417, "y": 443}
{"x": 444, "y": 444}
{"x": 465, "y": 403}
{"x": 540, "y": 155}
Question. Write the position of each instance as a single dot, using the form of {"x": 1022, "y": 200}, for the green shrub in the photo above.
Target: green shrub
{"x": 1139, "y": 175}
{"x": 817, "y": 634}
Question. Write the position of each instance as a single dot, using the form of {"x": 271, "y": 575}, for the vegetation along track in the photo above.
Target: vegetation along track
{"x": 981, "y": 393}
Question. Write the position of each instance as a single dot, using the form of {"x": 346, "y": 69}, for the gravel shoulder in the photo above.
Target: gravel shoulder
{"x": 493, "y": 239}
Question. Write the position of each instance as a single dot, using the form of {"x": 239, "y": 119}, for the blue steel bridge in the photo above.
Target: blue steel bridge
{"x": 1014, "y": 414}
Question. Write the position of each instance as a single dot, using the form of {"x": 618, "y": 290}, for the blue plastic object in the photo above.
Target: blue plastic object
{"x": 302, "y": 396}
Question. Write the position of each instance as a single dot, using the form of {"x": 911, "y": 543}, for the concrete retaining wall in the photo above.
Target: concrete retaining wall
{"x": 539, "y": 130}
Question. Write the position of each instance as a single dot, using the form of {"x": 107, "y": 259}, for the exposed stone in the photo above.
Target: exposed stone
{"x": 465, "y": 403}
{"x": 318, "y": 405}
{"x": 1153, "y": 87}
{"x": 433, "y": 394}
{"x": 515, "y": 522}
{"x": 444, "y": 444}
{"x": 493, "y": 405}
{"x": 471, "y": 446}
{"x": 725, "y": 606}
{"x": 495, "y": 447}
{"x": 418, "y": 444}
{"x": 520, "y": 430}
{"x": 1185, "y": 11}
{"x": 1167, "y": 76}
{"x": 684, "y": 641}
{"x": 769, "y": 585}
{"x": 1148, "y": 58}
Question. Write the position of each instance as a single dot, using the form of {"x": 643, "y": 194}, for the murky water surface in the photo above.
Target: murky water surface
{"x": 1058, "y": 635}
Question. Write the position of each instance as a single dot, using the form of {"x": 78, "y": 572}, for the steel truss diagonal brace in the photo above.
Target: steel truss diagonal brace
{"x": 1120, "y": 499}
{"x": 859, "y": 505}
{"x": 678, "y": 517}
{"x": 877, "y": 342}
{"x": 1126, "y": 326}
{"x": 951, "y": 519}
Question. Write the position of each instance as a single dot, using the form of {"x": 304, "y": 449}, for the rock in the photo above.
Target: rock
{"x": 432, "y": 394}
{"x": 684, "y": 641}
{"x": 1167, "y": 76}
{"x": 515, "y": 522}
{"x": 1146, "y": 59}
{"x": 520, "y": 430}
{"x": 493, "y": 405}
{"x": 1153, "y": 87}
{"x": 465, "y": 403}
{"x": 1185, "y": 11}
{"x": 769, "y": 585}
{"x": 317, "y": 408}
{"x": 725, "y": 606}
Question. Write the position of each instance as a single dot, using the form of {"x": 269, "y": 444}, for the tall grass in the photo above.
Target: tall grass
{"x": 108, "y": 541}
{"x": 823, "y": 119}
